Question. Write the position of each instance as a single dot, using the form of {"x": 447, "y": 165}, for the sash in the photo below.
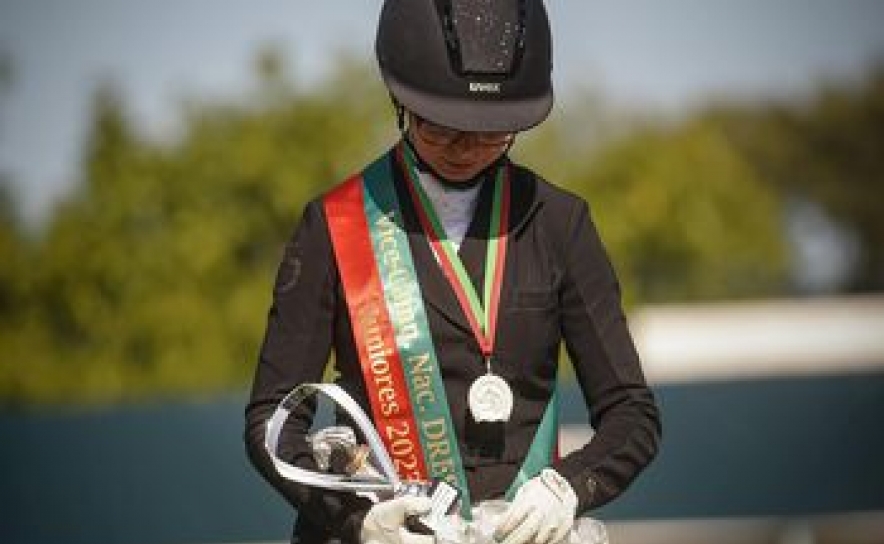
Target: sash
{"x": 397, "y": 356}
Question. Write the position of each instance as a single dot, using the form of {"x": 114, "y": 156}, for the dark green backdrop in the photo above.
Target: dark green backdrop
{"x": 177, "y": 472}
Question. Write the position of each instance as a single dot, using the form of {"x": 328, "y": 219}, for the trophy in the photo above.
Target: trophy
{"x": 366, "y": 469}
{"x": 347, "y": 465}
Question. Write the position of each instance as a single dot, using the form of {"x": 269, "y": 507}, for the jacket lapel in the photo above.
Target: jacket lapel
{"x": 523, "y": 205}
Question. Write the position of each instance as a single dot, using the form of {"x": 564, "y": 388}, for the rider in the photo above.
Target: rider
{"x": 474, "y": 270}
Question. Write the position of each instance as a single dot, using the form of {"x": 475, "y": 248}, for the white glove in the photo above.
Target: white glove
{"x": 542, "y": 511}
{"x": 385, "y": 522}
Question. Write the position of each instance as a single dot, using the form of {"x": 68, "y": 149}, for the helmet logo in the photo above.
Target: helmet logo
{"x": 476, "y": 87}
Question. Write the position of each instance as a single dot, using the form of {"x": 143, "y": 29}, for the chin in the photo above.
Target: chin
{"x": 460, "y": 178}
{"x": 459, "y": 174}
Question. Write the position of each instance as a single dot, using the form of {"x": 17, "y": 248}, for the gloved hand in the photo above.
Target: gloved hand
{"x": 542, "y": 511}
{"x": 385, "y": 521}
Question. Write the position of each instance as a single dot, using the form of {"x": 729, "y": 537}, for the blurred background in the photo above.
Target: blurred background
{"x": 154, "y": 158}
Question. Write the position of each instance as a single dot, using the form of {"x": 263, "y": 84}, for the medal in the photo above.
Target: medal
{"x": 490, "y": 399}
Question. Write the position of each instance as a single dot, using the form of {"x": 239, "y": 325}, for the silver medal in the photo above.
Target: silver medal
{"x": 490, "y": 399}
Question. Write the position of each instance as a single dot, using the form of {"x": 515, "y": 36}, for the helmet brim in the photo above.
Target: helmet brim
{"x": 473, "y": 115}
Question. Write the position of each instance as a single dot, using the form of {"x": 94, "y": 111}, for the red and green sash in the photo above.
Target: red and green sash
{"x": 399, "y": 362}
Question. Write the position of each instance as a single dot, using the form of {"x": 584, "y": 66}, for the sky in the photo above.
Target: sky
{"x": 665, "y": 55}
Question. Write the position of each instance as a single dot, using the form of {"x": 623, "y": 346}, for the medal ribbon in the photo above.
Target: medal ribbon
{"x": 482, "y": 319}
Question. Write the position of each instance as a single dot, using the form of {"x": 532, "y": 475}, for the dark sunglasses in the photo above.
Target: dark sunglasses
{"x": 439, "y": 135}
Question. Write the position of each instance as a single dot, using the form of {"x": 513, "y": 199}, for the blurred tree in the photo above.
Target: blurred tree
{"x": 828, "y": 151}
{"x": 6, "y": 73}
{"x": 683, "y": 215}
{"x": 153, "y": 278}
{"x": 12, "y": 254}
{"x": 13, "y": 247}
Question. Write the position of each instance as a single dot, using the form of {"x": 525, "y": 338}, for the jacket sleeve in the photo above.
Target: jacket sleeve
{"x": 623, "y": 411}
{"x": 295, "y": 350}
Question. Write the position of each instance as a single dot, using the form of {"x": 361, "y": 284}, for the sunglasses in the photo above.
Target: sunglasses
{"x": 439, "y": 135}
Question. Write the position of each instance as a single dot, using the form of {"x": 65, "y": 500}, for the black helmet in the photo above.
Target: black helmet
{"x": 473, "y": 65}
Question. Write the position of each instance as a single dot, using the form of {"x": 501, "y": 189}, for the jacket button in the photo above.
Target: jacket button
{"x": 591, "y": 486}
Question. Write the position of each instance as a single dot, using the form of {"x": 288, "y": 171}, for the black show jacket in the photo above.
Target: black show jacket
{"x": 558, "y": 287}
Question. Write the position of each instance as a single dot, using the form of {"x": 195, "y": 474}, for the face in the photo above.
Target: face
{"x": 456, "y": 155}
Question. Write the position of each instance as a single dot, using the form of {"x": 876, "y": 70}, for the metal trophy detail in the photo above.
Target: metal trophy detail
{"x": 347, "y": 465}
{"x": 336, "y": 450}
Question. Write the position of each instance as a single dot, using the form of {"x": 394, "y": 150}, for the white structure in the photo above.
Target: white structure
{"x": 726, "y": 341}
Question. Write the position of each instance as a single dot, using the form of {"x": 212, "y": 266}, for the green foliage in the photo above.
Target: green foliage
{"x": 683, "y": 215}
{"x": 829, "y": 151}
{"x": 14, "y": 256}
{"x": 154, "y": 277}
{"x": 680, "y": 208}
